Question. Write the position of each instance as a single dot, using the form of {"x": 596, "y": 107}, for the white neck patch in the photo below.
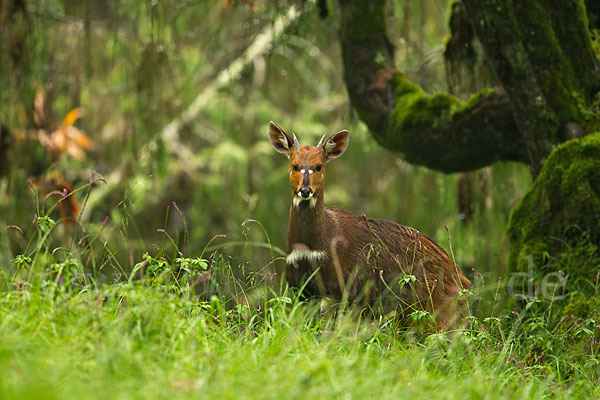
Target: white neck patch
{"x": 305, "y": 254}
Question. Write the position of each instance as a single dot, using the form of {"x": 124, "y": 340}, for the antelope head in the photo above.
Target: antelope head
{"x": 307, "y": 163}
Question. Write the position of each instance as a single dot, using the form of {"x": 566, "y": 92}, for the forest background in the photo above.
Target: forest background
{"x": 134, "y": 161}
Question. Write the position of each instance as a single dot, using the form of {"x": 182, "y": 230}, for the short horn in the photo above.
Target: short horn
{"x": 296, "y": 142}
{"x": 320, "y": 145}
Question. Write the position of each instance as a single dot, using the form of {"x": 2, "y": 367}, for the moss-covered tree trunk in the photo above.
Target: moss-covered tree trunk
{"x": 543, "y": 56}
{"x": 541, "y": 52}
{"x": 438, "y": 131}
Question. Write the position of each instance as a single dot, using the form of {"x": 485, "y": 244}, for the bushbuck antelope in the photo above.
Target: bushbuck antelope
{"x": 376, "y": 262}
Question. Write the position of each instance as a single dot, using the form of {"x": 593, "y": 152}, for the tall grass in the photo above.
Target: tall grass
{"x": 136, "y": 341}
{"x": 178, "y": 326}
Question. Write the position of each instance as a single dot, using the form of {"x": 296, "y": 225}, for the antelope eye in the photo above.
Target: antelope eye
{"x": 295, "y": 168}
{"x": 319, "y": 167}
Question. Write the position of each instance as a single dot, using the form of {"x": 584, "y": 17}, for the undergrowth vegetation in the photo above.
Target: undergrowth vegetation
{"x": 135, "y": 341}
{"x": 186, "y": 325}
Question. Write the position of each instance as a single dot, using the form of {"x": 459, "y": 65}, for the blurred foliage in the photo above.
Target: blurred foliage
{"x": 134, "y": 67}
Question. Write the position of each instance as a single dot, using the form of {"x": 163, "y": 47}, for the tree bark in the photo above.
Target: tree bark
{"x": 542, "y": 54}
{"x": 437, "y": 131}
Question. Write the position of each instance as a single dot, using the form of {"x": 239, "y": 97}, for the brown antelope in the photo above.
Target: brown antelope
{"x": 373, "y": 261}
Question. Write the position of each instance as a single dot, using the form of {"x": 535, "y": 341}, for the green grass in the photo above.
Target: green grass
{"x": 143, "y": 340}
{"x": 75, "y": 322}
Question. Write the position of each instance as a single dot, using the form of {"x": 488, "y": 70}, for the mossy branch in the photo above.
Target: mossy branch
{"x": 541, "y": 52}
{"x": 444, "y": 133}
{"x": 437, "y": 131}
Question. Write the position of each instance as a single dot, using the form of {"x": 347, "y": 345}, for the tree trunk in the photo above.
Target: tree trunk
{"x": 547, "y": 68}
{"x": 542, "y": 54}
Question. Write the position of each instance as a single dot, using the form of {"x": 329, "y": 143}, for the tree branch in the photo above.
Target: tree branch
{"x": 437, "y": 131}
{"x": 444, "y": 133}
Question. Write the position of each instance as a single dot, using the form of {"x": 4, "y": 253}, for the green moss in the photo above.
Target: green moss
{"x": 591, "y": 115}
{"x": 475, "y": 99}
{"x": 445, "y": 133}
{"x": 559, "y": 46}
{"x": 558, "y": 220}
{"x": 542, "y": 53}
{"x": 553, "y": 70}
{"x": 416, "y": 109}
{"x": 432, "y": 110}
{"x": 575, "y": 39}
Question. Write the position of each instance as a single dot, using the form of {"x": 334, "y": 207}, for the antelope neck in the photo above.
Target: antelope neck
{"x": 307, "y": 225}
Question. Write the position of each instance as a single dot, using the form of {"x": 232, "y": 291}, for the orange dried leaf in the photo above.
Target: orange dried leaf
{"x": 79, "y": 138}
{"x": 69, "y": 140}
{"x": 72, "y": 116}
{"x": 45, "y": 140}
{"x": 59, "y": 141}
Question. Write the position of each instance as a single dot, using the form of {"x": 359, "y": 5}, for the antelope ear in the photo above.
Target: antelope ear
{"x": 336, "y": 145}
{"x": 279, "y": 139}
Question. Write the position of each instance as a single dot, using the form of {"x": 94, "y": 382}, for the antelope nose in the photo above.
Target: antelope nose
{"x": 305, "y": 192}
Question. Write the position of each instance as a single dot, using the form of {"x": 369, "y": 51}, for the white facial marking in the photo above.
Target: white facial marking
{"x": 298, "y": 199}
{"x": 302, "y": 171}
{"x": 304, "y": 254}
{"x": 310, "y": 171}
